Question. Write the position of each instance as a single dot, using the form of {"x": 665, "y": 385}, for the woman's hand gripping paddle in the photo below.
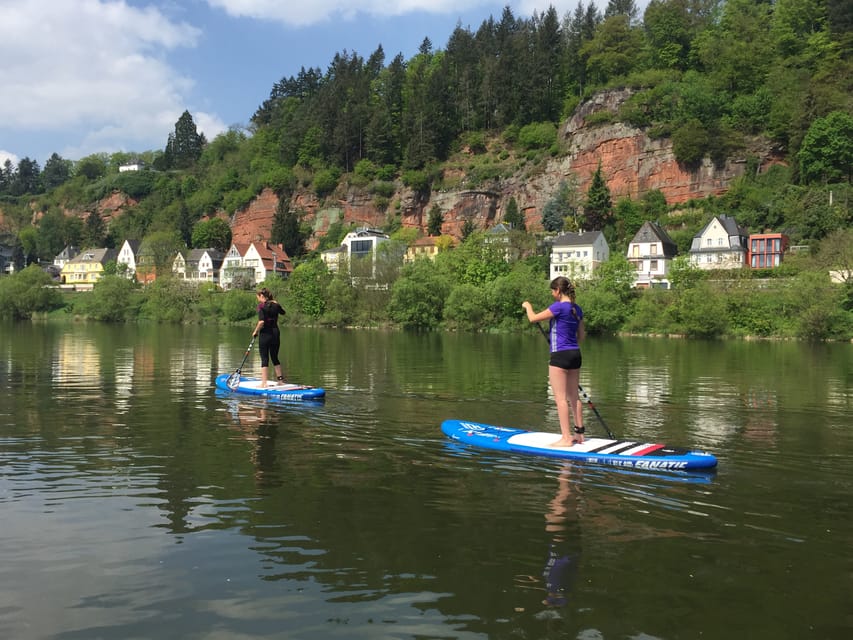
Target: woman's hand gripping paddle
{"x": 234, "y": 379}
{"x": 586, "y": 398}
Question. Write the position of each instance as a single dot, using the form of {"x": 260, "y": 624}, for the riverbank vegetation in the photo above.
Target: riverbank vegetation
{"x": 475, "y": 288}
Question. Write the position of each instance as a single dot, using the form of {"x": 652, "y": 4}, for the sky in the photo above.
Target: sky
{"x": 100, "y": 76}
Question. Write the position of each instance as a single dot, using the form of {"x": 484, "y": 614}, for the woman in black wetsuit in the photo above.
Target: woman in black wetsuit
{"x": 270, "y": 340}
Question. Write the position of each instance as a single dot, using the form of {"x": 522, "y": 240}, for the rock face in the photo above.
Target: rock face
{"x": 631, "y": 161}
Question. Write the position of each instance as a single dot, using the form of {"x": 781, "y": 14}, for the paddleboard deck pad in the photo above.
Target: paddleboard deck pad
{"x": 619, "y": 453}
{"x": 282, "y": 391}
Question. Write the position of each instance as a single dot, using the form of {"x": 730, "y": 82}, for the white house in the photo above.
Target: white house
{"x": 253, "y": 262}
{"x": 357, "y": 246}
{"x": 65, "y": 255}
{"x": 651, "y": 252}
{"x": 722, "y": 244}
{"x": 577, "y": 255}
{"x": 137, "y": 165}
{"x": 198, "y": 265}
{"x": 127, "y": 256}
{"x": 232, "y": 266}
{"x": 267, "y": 259}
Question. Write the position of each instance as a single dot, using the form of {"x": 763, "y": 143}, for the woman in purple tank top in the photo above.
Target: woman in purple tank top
{"x": 565, "y": 335}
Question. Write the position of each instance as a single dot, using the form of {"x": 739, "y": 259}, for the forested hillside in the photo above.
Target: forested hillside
{"x": 709, "y": 76}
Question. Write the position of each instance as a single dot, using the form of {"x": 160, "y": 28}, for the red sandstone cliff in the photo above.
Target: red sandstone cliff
{"x": 632, "y": 162}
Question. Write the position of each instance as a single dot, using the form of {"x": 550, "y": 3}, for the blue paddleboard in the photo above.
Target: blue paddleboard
{"x": 619, "y": 453}
{"x": 280, "y": 390}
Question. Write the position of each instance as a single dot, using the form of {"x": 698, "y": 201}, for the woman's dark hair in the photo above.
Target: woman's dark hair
{"x": 564, "y": 286}
{"x": 266, "y": 294}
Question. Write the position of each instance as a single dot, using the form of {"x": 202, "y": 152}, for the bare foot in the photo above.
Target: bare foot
{"x": 562, "y": 442}
{"x": 577, "y": 440}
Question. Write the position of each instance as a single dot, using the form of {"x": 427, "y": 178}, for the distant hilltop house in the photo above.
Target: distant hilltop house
{"x": 577, "y": 255}
{"x": 721, "y": 244}
{"x": 136, "y": 165}
{"x": 651, "y": 251}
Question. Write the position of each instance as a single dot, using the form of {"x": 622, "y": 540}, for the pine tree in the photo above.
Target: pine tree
{"x": 436, "y": 219}
{"x": 513, "y": 216}
{"x": 184, "y": 147}
{"x": 286, "y": 229}
{"x": 598, "y": 209}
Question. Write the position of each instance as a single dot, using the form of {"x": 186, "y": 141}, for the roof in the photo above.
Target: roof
{"x": 500, "y": 228}
{"x": 94, "y": 255}
{"x": 133, "y": 244}
{"x": 584, "y": 238}
{"x": 653, "y": 232}
{"x": 728, "y": 223}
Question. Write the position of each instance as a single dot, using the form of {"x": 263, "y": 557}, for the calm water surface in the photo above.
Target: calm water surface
{"x": 137, "y": 502}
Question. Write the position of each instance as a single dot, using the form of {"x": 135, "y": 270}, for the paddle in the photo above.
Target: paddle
{"x": 234, "y": 379}
{"x": 584, "y": 394}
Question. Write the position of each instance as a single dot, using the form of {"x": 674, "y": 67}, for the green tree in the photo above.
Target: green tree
{"x": 94, "y": 230}
{"x": 27, "y": 178}
{"x": 287, "y": 229}
{"x": 91, "y": 167}
{"x": 436, "y": 219}
{"x": 214, "y": 233}
{"x": 27, "y": 292}
{"x": 308, "y": 284}
{"x": 418, "y": 297}
{"x": 598, "y": 208}
{"x": 827, "y": 152}
{"x": 157, "y": 252}
{"x": 114, "y": 299}
{"x": 513, "y": 216}
{"x": 56, "y": 172}
{"x": 185, "y": 145}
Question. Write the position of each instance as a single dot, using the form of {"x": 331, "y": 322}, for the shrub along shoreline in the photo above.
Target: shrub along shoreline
{"x": 804, "y": 306}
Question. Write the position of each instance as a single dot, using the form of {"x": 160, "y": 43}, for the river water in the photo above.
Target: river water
{"x": 137, "y": 502}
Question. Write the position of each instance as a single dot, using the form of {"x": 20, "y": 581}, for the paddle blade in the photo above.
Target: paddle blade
{"x": 233, "y": 380}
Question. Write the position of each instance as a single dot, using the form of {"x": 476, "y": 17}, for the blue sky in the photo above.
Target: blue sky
{"x": 90, "y": 76}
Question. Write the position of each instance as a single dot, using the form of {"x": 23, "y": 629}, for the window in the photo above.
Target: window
{"x": 710, "y": 242}
{"x": 719, "y": 242}
{"x": 754, "y": 245}
{"x": 754, "y": 262}
{"x": 653, "y": 249}
{"x": 653, "y": 265}
{"x": 635, "y": 250}
{"x": 360, "y": 248}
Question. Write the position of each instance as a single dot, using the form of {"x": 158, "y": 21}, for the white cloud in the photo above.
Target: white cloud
{"x": 317, "y": 11}
{"x": 7, "y": 155}
{"x": 92, "y": 65}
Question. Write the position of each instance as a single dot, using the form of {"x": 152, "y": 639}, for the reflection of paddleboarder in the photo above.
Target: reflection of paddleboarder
{"x": 564, "y": 550}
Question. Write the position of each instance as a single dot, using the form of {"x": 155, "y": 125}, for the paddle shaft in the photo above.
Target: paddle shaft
{"x": 583, "y": 393}
{"x": 234, "y": 378}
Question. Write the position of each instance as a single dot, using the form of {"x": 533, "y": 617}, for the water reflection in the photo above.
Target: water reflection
{"x": 564, "y": 549}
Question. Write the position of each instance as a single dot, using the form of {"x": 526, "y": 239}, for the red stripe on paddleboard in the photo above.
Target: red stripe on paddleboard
{"x": 650, "y": 449}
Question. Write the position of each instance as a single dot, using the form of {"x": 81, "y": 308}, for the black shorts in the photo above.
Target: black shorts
{"x": 568, "y": 359}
